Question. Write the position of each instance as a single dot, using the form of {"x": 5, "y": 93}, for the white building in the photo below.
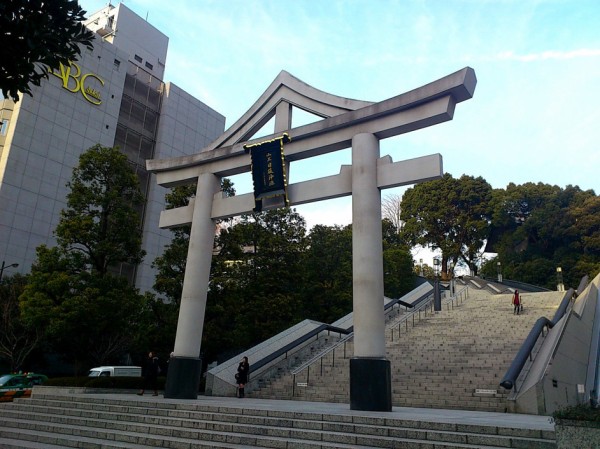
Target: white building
{"x": 113, "y": 95}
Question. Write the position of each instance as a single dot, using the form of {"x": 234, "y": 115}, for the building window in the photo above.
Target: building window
{"x": 137, "y": 58}
{"x": 3, "y": 127}
{"x": 148, "y": 65}
{"x": 117, "y": 64}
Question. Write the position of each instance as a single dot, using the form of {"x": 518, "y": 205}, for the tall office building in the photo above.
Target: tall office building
{"x": 113, "y": 95}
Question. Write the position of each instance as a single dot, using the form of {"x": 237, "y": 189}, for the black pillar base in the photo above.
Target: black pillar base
{"x": 183, "y": 378}
{"x": 370, "y": 384}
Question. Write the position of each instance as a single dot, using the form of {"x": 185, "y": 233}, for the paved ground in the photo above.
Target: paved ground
{"x": 424, "y": 414}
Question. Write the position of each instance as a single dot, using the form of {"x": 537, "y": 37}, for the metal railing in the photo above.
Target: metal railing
{"x": 526, "y": 351}
{"x": 423, "y": 305}
{"x": 427, "y": 307}
{"x": 290, "y": 347}
{"x": 517, "y": 285}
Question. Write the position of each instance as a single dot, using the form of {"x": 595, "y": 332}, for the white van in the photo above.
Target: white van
{"x": 123, "y": 371}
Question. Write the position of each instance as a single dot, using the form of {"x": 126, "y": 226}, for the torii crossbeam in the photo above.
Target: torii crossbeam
{"x": 346, "y": 123}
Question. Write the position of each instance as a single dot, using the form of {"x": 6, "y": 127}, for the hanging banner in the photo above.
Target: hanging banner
{"x": 268, "y": 172}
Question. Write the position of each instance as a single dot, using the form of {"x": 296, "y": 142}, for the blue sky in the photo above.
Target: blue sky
{"x": 535, "y": 115}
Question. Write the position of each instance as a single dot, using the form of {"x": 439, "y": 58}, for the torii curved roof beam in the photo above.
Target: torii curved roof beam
{"x": 284, "y": 88}
{"x": 428, "y": 105}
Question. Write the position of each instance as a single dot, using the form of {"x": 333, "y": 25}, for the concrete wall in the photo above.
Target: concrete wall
{"x": 569, "y": 366}
{"x": 220, "y": 380}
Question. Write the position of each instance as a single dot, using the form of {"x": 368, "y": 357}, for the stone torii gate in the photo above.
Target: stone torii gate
{"x": 346, "y": 123}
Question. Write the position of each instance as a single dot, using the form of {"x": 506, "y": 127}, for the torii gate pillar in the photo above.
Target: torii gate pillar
{"x": 370, "y": 371}
{"x": 185, "y": 371}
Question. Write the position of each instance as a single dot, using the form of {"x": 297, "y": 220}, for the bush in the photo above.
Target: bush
{"x": 115, "y": 382}
{"x": 581, "y": 412}
{"x": 121, "y": 383}
{"x": 66, "y": 382}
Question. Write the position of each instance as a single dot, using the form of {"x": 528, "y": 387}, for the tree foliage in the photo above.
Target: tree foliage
{"x": 398, "y": 276}
{"x": 86, "y": 313}
{"x": 88, "y": 318}
{"x": 452, "y": 215}
{"x": 539, "y": 227}
{"x": 101, "y": 221}
{"x": 254, "y": 283}
{"x": 327, "y": 280}
{"x": 36, "y": 37}
{"x": 17, "y": 339}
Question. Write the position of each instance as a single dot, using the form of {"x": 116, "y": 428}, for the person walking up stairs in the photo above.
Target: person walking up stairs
{"x": 516, "y": 301}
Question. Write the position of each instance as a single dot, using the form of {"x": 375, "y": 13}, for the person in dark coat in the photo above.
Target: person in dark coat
{"x": 150, "y": 371}
{"x": 242, "y": 375}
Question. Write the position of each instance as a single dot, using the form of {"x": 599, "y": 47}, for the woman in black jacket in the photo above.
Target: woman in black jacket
{"x": 242, "y": 375}
{"x": 150, "y": 370}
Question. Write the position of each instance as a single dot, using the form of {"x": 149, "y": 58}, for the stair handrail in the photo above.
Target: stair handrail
{"x": 297, "y": 342}
{"x": 522, "y": 286}
{"x": 350, "y": 333}
{"x": 306, "y": 365}
{"x": 422, "y": 303}
{"x": 510, "y": 378}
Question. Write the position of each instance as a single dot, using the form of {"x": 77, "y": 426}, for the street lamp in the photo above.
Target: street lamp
{"x": 451, "y": 273}
{"x": 559, "y": 279}
{"x": 500, "y": 272}
{"x": 12, "y": 265}
{"x": 421, "y": 267}
{"x": 437, "y": 298}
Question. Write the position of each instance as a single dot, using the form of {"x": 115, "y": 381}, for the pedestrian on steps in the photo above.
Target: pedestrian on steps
{"x": 150, "y": 370}
{"x": 516, "y": 300}
{"x": 241, "y": 376}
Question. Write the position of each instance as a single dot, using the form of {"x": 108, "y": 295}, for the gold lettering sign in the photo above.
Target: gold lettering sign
{"x": 74, "y": 81}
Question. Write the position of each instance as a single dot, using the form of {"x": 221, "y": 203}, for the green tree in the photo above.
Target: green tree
{"x": 398, "y": 276}
{"x": 539, "y": 227}
{"x": 327, "y": 262}
{"x": 585, "y": 225}
{"x": 398, "y": 272}
{"x": 391, "y": 235}
{"x": 17, "y": 340}
{"x": 88, "y": 314}
{"x": 101, "y": 221}
{"x": 36, "y": 37}
{"x": 428, "y": 272}
{"x": 257, "y": 292}
{"x": 88, "y": 318}
{"x": 449, "y": 214}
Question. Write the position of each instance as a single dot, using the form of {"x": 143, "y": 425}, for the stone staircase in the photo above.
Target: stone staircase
{"x": 452, "y": 359}
{"x": 53, "y": 420}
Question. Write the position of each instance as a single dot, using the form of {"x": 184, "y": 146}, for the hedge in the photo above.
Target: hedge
{"x": 118, "y": 382}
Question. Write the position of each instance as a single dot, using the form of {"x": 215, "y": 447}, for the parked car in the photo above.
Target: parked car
{"x": 123, "y": 371}
{"x": 19, "y": 385}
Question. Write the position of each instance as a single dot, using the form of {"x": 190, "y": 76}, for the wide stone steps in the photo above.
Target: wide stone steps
{"x": 443, "y": 359}
{"x": 57, "y": 421}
